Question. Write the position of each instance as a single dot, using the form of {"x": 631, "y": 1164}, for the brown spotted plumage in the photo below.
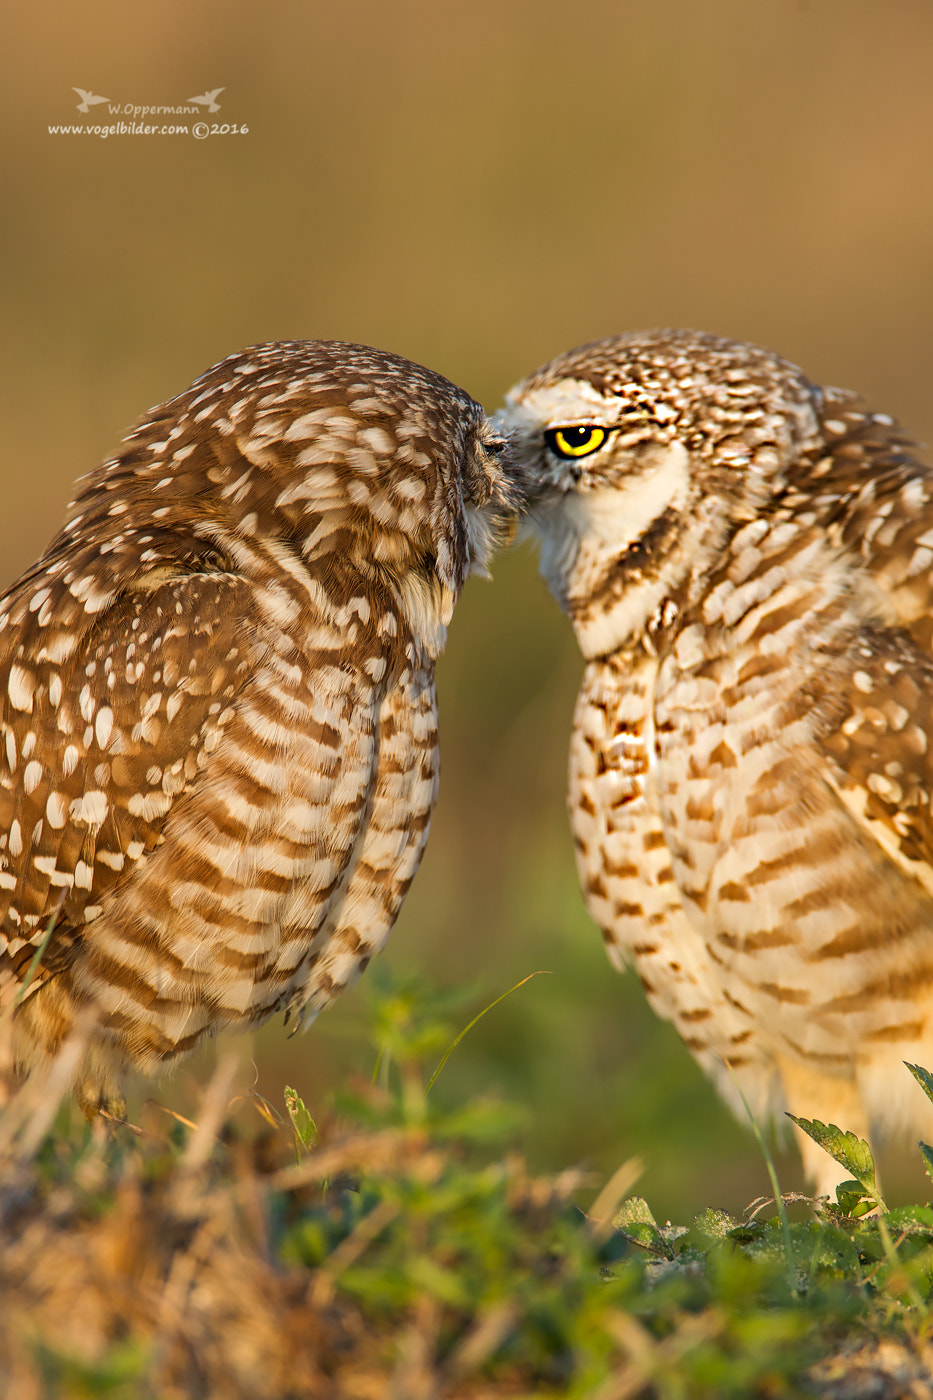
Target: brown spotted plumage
{"x": 218, "y": 735}
{"x": 747, "y": 561}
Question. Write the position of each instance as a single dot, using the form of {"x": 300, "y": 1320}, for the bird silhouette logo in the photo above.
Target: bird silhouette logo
{"x": 88, "y": 99}
{"x": 209, "y": 99}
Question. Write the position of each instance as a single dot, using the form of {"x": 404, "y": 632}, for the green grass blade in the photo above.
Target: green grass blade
{"x": 542, "y": 972}
{"x": 39, "y": 954}
{"x": 775, "y": 1186}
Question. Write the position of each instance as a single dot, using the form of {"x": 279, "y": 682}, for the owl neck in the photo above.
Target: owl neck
{"x": 613, "y": 591}
{"x": 614, "y": 600}
{"x": 426, "y": 605}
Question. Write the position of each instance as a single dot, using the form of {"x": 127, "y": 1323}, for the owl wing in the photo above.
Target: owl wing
{"x": 105, "y": 719}
{"x": 878, "y": 746}
{"x": 110, "y": 727}
{"x": 879, "y": 741}
{"x": 880, "y": 508}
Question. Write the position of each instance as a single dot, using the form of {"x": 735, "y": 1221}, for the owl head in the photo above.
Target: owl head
{"x": 643, "y": 452}
{"x": 344, "y": 457}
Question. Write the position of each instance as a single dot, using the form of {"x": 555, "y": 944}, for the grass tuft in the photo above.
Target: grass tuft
{"x": 398, "y": 1245}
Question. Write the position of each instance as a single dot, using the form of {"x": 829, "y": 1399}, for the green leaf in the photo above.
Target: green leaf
{"x": 916, "y": 1221}
{"x": 927, "y": 1154}
{"x": 849, "y": 1151}
{"x": 302, "y": 1122}
{"x": 715, "y": 1224}
{"x": 635, "y": 1221}
{"x": 850, "y": 1197}
{"x": 634, "y": 1211}
{"x": 923, "y": 1077}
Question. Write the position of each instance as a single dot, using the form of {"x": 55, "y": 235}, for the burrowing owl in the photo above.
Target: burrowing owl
{"x": 747, "y": 561}
{"x": 219, "y": 737}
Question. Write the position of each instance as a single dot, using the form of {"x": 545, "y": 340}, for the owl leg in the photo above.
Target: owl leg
{"x": 832, "y": 1099}
{"x": 92, "y": 1102}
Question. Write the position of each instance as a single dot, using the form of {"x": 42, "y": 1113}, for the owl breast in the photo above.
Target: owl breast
{"x": 631, "y": 861}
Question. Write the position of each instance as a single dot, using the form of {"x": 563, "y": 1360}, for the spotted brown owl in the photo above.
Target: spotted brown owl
{"x": 219, "y": 732}
{"x": 747, "y": 562}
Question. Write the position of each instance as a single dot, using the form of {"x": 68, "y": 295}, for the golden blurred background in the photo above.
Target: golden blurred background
{"x": 476, "y": 186}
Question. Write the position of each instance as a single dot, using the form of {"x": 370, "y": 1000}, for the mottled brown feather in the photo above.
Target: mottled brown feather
{"x": 218, "y": 735}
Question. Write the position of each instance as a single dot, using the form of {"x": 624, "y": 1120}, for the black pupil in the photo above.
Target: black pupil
{"x": 577, "y": 437}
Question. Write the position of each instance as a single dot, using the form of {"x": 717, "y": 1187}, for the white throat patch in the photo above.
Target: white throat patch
{"x": 620, "y": 515}
{"x": 610, "y": 519}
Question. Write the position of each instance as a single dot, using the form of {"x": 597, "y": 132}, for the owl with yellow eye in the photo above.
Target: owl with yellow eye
{"x": 747, "y": 562}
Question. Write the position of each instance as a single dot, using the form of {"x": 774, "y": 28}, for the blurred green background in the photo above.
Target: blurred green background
{"x": 477, "y": 186}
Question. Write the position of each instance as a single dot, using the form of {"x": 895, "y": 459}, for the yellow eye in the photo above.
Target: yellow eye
{"x": 577, "y": 441}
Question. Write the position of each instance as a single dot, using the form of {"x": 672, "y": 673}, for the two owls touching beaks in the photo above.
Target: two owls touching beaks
{"x": 218, "y": 733}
